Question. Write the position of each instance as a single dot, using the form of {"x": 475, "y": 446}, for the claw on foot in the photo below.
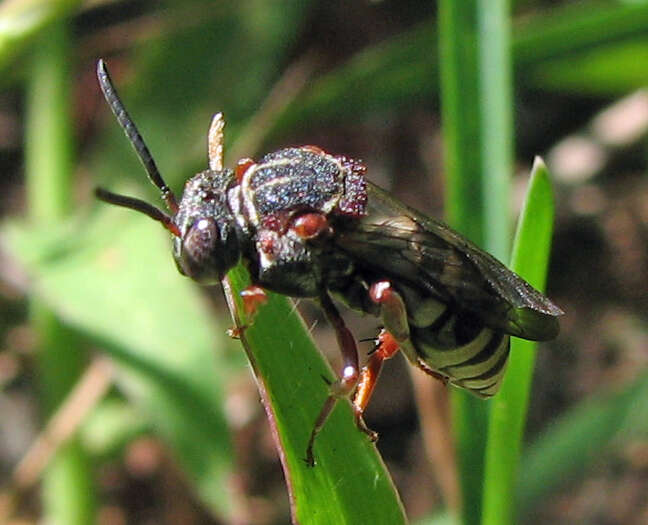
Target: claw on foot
{"x": 235, "y": 332}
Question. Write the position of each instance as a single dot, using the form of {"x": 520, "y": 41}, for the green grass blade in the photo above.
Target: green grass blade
{"x": 580, "y": 438}
{"x": 349, "y": 484}
{"x": 67, "y": 489}
{"x": 576, "y": 27}
{"x": 508, "y": 409}
{"x": 477, "y": 123}
{"x": 400, "y": 71}
{"x": 21, "y": 21}
{"x": 496, "y": 106}
{"x": 461, "y": 112}
{"x": 403, "y": 72}
{"x": 461, "y": 117}
{"x": 154, "y": 324}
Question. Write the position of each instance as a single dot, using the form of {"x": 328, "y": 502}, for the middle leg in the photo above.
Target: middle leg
{"x": 348, "y": 379}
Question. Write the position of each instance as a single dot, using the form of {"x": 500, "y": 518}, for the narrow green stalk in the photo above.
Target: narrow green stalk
{"x": 461, "y": 116}
{"x": 48, "y": 140}
{"x": 508, "y": 409}
{"x": 496, "y": 105}
{"x": 67, "y": 488}
{"x": 461, "y": 126}
{"x": 475, "y": 64}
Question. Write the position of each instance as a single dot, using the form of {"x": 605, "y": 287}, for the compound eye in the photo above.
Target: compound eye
{"x": 200, "y": 241}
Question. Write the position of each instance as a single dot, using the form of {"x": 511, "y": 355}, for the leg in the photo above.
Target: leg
{"x": 391, "y": 339}
{"x": 392, "y": 309}
{"x": 386, "y": 347}
{"x": 394, "y": 314}
{"x": 349, "y": 376}
{"x": 253, "y": 296}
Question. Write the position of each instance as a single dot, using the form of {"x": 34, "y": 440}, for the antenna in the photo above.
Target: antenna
{"x": 139, "y": 205}
{"x": 140, "y": 147}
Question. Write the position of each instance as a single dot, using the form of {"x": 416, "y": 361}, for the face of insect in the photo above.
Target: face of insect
{"x": 208, "y": 244}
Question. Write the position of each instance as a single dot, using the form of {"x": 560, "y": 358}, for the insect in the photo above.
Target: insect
{"x": 309, "y": 224}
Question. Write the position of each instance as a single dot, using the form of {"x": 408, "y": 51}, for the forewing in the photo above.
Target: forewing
{"x": 406, "y": 246}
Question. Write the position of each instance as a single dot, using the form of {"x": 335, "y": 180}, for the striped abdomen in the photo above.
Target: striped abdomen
{"x": 457, "y": 345}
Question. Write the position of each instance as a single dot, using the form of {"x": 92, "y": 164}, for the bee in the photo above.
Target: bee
{"x": 309, "y": 224}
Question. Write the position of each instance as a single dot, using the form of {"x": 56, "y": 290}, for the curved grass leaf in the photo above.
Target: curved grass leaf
{"x": 349, "y": 483}
{"x": 571, "y": 444}
{"x": 109, "y": 282}
{"x": 508, "y": 409}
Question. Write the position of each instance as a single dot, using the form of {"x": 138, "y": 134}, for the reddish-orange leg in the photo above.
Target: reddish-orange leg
{"x": 253, "y": 296}
{"x": 397, "y": 331}
{"x": 394, "y": 315}
{"x": 386, "y": 347}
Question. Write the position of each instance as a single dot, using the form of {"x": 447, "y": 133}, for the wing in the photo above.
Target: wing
{"x": 406, "y": 246}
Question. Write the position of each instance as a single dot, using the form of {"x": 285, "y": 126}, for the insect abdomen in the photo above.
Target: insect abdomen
{"x": 446, "y": 340}
{"x": 455, "y": 343}
{"x": 459, "y": 346}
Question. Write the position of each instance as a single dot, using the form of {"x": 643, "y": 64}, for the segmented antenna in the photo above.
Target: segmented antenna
{"x": 139, "y": 205}
{"x": 136, "y": 140}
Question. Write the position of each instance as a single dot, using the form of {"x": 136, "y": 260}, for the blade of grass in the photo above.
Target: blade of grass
{"x": 580, "y": 438}
{"x": 461, "y": 117}
{"x": 168, "y": 347}
{"x": 133, "y": 303}
{"x": 349, "y": 483}
{"x": 403, "y": 71}
{"x": 68, "y": 492}
{"x": 22, "y": 20}
{"x": 496, "y": 106}
{"x": 608, "y": 69}
{"x": 508, "y": 409}
{"x": 572, "y": 28}
{"x": 477, "y": 119}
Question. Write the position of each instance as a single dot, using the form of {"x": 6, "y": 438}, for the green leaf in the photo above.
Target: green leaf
{"x": 67, "y": 491}
{"x": 462, "y": 120}
{"x": 349, "y": 483}
{"x": 399, "y": 71}
{"x": 613, "y": 68}
{"x": 21, "y": 21}
{"x": 476, "y": 100}
{"x": 110, "y": 426}
{"x": 439, "y": 519}
{"x": 403, "y": 72}
{"x": 507, "y": 416}
{"x": 580, "y": 437}
{"x": 108, "y": 281}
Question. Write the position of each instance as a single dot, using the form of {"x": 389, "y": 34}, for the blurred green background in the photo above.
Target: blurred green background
{"x": 123, "y": 366}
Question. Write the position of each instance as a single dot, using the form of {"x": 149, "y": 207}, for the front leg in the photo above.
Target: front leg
{"x": 348, "y": 378}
